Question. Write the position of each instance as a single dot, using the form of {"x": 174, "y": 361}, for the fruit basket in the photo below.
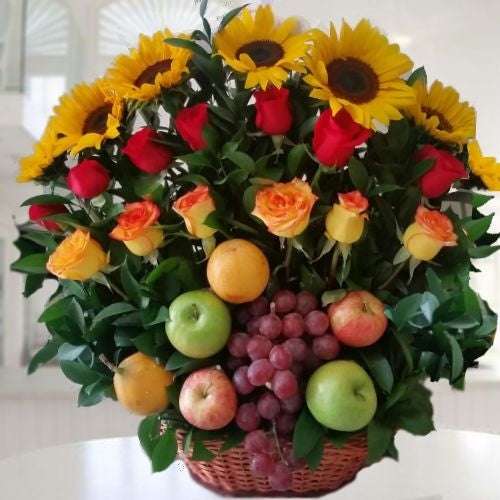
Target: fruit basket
{"x": 262, "y": 240}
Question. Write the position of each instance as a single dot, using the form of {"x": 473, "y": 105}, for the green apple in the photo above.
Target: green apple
{"x": 341, "y": 396}
{"x": 199, "y": 324}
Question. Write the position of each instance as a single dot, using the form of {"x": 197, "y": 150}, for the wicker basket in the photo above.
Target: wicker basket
{"x": 228, "y": 473}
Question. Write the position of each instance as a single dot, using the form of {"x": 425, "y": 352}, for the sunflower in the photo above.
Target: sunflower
{"x": 485, "y": 167}
{"x": 45, "y": 151}
{"x": 87, "y": 116}
{"x": 441, "y": 113}
{"x": 152, "y": 66}
{"x": 360, "y": 71}
{"x": 265, "y": 52}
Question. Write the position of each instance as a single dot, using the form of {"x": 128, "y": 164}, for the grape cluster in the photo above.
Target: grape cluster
{"x": 278, "y": 342}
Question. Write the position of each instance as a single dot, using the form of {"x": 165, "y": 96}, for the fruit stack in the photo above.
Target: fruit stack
{"x": 251, "y": 236}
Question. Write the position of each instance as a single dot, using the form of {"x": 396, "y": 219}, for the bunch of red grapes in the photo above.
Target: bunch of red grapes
{"x": 279, "y": 342}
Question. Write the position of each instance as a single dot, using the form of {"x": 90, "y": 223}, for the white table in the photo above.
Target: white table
{"x": 446, "y": 465}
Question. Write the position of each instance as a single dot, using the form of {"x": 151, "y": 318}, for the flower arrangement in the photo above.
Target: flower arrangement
{"x": 262, "y": 239}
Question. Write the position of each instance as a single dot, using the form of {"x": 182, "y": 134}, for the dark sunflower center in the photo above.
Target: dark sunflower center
{"x": 444, "y": 124}
{"x": 149, "y": 74}
{"x": 352, "y": 79}
{"x": 96, "y": 122}
{"x": 262, "y": 52}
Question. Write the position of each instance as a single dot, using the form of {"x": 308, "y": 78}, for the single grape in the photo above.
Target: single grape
{"x": 262, "y": 464}
{"x": 293, "y": 325}
{"x": 317, "y": 323}
{"x": 281, "y": 478}
{"x": 298, "y": 348}
{"x": 285, "y": 423}
{"x": 260, "y": 372}
{"x": 259, "y": 306}
{"x": 326, "y": 347}
{"x": 240, "y": 381}
{"x": 284, "y": 384}
{"x": 247, "y": 417}
{"x": 284, "y": 301}
{"x": 280, "y": 357}
{"x": 312, "y": 361}
{"x": 242, "y": 315}
{"x": 232, "y": 363}
{"x": 293, "y": 405}
{"x": 297, "y": 368}
{"x": 306, "y": 302}
{"x": 257, "y": 442}
{"x": 293, "y": 462}
{"x": 253, "y": 325}
{"x": 268, "y": 406}
{"x": 270, "y": 326}
{"x": 258, "y": 347}
{"x": 237, "y": 344}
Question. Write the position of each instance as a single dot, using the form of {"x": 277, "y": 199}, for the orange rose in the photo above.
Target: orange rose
{"x": 134, "y": 228}
{"x": 285, "y": 208}
{"x": 78, "y": 257}
{"x": 194, "y": 207}
{"x": 345, "y": 221}
{"x": 430, "y": 232}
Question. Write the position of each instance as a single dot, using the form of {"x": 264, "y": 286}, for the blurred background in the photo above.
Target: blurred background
{"x": 46, "y": 46}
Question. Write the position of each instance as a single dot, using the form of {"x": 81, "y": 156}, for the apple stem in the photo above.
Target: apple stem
{"x": 394, "y": 274}
{"x": 106, "y": 362}
{"x": 333, "y": 265}
{"x": 277, "y": 443}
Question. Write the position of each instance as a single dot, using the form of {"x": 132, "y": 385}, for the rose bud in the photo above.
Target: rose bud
{"x": 190, "y": 122}
{"x": 285, "y": 208}
{"x": 345, "y": 222}
{"x": 134, "y": 228}
{"x": 194, "y": 207}
{"x": 36, "y": 214}
{"x": 146, "y": 153}
{"x": 88, "y": 179}
{"x": 446, "y": 170}
{"x": 274, "y": 113}
{"x": 430, "y": 232}
{"x": 335, "y": 137}
{"x": 78, "y": 257}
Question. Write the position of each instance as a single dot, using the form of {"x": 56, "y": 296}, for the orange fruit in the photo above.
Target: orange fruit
{"x": 141, "y": 384}
{"x": 238, "y": 271}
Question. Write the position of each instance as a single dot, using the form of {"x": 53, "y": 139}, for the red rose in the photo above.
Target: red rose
{"x": 335, "y": 137}
{"x": 274, "y": 113}
{"x": 38, "y": 212}
{"x": 446, "y": 170}
{"x": 147, "y": 154}
{"x": 190, "y": 122}
{"x": 88, "y": 179}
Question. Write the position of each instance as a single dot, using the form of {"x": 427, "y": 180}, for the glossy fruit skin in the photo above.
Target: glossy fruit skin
{"x": 238, "y": 271}
{"x": 199, "y": 324}
{"x": 341, "y": 396}
{"x": 140, "y": 384}
{"x": 208, "y": 399}
{"x": 358, "y": 320}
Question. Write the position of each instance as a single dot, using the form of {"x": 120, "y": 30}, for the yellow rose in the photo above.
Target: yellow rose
{"x": 194, "y": 207}
{"x": 345, "y": 221}
{"x": 430, "y": 232}
{"x": 78, "y": 257}
{"x": 285, "y": 208}
{"x": 149, "y": 240}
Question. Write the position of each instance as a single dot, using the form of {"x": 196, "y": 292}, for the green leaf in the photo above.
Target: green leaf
{"x": 405, "y": 309}
{"x": 306, "y": 434}
{"x": 242, "y": 160}
{"x": 230, "y": 15}
{"x": 478, "y": 199}
{"x": 295, "y": 159}
{"x": 70, "y": 352}
{"x": 435, "y": 285}
{"x": 42, "y": 238}
{"x": 45, "y": 354}
{"x": 476, "y": 228}
{"x": 331, "y": 296}
{"x": 165, "y": 451}
{"x": 93, "y": 394}
{"x": 32, "y": 264}
{"x": 32, "y": 284}
{"x": 187, "y": 44}
{"x": 404, "y": 342}
{"x": 358, "y": 174}
{"x": 314, "y": 457}
{"x": 201, "y": 452}
{"x": 226, "y": 115}
{"x": 413, "y": 413}
{"x": 186, "y": 442}
{"x": 79, "y": 373}
{"x": 418, "y": 169}
{"x": 203, "y": 8}
{"x": 132, "y": 287}
{"x": 195, "y": 159}
{"x": 428, "y": 305}
{"x": 455, "y": 358}
{"x": 233, "y": 440}
{"x": 75, "y": 312}
{"x": 163, "y": 268}
{"x": 47, "y": 199}
{"x": 418, "y": 74}
{"x": 379, "y": 367}
{"x": 481, "y": 252}
{"x": 56, "y": 310}
{"x": 379, "y": 436}
{"x": 177, "y": 360}
{"x": 383, "y": 188}
{"x": 338, "y": 439}
{"x": 112, "y": 310}
{"x": 148, "y": 433}
{"x": 154, "y": 315}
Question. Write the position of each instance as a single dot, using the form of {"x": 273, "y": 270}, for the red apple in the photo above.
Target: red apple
{"x": 358, "y": 320}
{"x": 208, "y": 399}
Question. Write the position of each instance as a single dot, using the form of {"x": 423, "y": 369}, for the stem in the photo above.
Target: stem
{"x": 288, "y": 258}
{"x": 316, "y": 177}
{"x": 106, "y": 362}
{"x": 277, "y": 442}
{"x": 391, "y": 278}
{"x": 88, "y": 210}
{"x": 118, "y": 290}
{"x": 333, "y": 264}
